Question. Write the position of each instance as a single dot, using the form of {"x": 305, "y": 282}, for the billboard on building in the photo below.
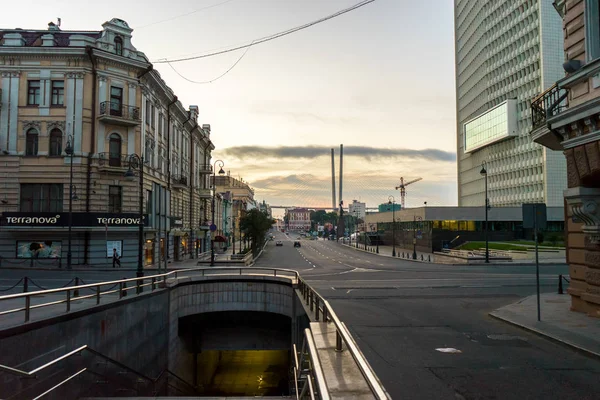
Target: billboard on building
{"x": 39, "y": 249}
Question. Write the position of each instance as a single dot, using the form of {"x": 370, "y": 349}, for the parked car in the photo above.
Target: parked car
{"x": 279, "y": 243}
{"x": 297, "y": 244}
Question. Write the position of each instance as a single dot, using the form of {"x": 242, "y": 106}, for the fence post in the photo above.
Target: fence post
{"x": 27, "y": 308}
{"x": 68, "y": 300}
{"x": 317, "y": 309}
{"x": 76, "y": 291}
{"x": 560, "y": 285}
{"x": 98, "y": 294}
{"x": 25, "y": 285}
{"x": 338, "y": 340}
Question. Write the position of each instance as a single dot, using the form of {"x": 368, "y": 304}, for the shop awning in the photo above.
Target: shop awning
{"x": 220, "y": 238}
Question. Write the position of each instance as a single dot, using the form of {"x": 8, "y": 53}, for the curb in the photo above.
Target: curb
{"x": 546, "y": 335}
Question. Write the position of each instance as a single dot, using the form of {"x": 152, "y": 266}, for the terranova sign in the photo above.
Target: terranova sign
{"x": 61, "y": 219}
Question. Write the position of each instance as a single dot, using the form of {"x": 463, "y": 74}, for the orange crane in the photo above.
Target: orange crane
{"x": 402, "y": 188}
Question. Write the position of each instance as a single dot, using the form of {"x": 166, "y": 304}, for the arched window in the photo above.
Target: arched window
{"x": 114, "y": 149}
{"x": 31, "y": 142}
{"x": 55, "y": 142}
{"x": 118, "y": 45}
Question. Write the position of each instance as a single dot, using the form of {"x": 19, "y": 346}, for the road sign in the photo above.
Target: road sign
{"x": 213, "y": 227}
{"x": 534, "y": 216}
{"x": 419, "y": 234}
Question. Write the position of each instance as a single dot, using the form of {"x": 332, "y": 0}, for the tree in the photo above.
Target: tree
{"x": 256, "y": 224}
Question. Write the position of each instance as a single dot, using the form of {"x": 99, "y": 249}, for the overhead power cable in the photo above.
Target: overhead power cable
{"x": 268, "y": 38}
{"x": 184, "y": 15}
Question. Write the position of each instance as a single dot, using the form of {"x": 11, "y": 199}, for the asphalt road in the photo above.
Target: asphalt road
{"x": 400, "y": 312}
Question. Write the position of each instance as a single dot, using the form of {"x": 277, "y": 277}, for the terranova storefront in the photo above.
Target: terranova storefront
{"x": 41, "y": 239}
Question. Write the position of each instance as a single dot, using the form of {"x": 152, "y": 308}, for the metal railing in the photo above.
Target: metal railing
{"x": 205, "y": 169}
{"x": 155, "y": 383}
{"x": 180, "y": 180}
{"x": 548, "y": 104}
{"x": 562, "y": 278}
{"x": 323, "y": 312}
{"x": 308, "y": 372}
{"x": 116, "y": 109}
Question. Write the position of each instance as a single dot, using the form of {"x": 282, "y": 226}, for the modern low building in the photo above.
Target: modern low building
{"x": 80, "y": 111}
{"x": 357, "y": 209}
{"x": 566, "y": 117}
{"x": 435, "y": 228}
{"x": 506, "y": 53}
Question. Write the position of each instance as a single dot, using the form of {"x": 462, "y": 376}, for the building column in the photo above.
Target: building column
{"x": 584, "y": 248}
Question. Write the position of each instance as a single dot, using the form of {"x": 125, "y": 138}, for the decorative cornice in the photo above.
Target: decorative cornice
{"x": 55, "y": 125}
{"x": 11, "y": 74}
{"x": 74, "y": 75}
{"x": 577, "y": 129}
{"x": 31, "y": 124}
{"x": 585, "y": 206}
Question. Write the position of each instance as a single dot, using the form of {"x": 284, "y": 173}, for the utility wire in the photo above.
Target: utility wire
{"x": 271, "y": 37}
{"x": 218, "y": 77}
{"x": 184, "y": 15}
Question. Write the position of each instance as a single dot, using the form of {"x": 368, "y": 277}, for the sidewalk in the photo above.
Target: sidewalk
{"x": 406, "y": 254}
{"x": 557, "y": 321}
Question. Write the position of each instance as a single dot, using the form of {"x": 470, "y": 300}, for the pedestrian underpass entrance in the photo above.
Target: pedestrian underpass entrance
{"x": 237, "y": 353}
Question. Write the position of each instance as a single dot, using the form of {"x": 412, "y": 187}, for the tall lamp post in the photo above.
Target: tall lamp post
{"x": 392, "y": 202}
{"x": 136, "y": 162}
{"x": 212, "y": 240}
{"x": 356, "y": 227}
{"x": 483, "y": 172}
{"x": 415, "y": 220}
{"x": 70, "y": 151}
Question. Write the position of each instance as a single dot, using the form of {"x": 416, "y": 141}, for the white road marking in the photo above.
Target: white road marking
{"x": 332, "y": 288}
{"x": 349, "y": 291}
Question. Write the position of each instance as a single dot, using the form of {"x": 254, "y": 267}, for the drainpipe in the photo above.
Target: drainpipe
{"x": 88, "y": 182}
{"x": 168, "y": 174}
{"x": 192, "y": 160}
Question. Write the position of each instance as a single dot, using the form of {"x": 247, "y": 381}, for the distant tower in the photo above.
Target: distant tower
{"x": 333, "y": 182}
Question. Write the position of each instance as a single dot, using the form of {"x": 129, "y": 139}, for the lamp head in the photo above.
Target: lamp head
{"x": 483, "y": 171}
{"x": 129, "y": 174}
{"x": 221, "y": 172}
{"x": 69, "y": 147}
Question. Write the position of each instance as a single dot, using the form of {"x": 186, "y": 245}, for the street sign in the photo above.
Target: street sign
{"x": 419, "y": 234}
{"x": 213, "y": 227}
{"x": 534, "y": 216}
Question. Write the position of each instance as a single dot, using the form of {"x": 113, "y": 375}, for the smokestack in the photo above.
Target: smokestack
{"x": 341, "y": 170}
{"x": 333, "y": 182}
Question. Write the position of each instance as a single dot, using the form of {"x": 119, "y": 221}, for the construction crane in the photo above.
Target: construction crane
{"x": 402, "y": 188}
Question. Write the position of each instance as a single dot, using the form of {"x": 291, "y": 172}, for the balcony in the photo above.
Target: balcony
{"x": 543, "y": 107}
{"x": 111, "y": 163}
{"x": 204, "y": 193}
{"x": 179, "y": 181}
{"x": 113, "y": 112}
{"x": 205, "y": 169}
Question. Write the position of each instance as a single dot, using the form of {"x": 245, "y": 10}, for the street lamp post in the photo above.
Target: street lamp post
{"x": 137, "y": 162}
{"x": 70, "y": 151}
{"x": 415, "y": 219}
{"x": 483, "y": 172}
{"x": 356, "y": 227}
{"x": 377, "y": 237}
{"x": 392, "y": 201}
{"x": 212, "y": 240}
{"x": 233, "y": 233}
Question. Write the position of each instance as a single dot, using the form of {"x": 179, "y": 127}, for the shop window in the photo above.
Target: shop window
{"x": 41, "y": 197}
{"x": 115, "y": 199}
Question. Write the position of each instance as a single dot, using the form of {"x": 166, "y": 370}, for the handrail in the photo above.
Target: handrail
{"x": 316, "y": 365}
{"x": 60, "y": 384}
{"x": 323, "y": 309}
{"x": 313, "y": 299}
{"x": 545, "y": 92}
{"x": 32, "y": 373}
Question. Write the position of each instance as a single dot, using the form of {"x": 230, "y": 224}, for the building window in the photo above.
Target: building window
{"x": 58, "y": 93}
{"x": 41, "y": 197}
{"x": 31, "y": 142}
{"x": 33, "y": 93}
{"x": 115, "y": 198}
{"x": 148, "y": 112}
{"x": 592, "y": 29}
{"x": 119, "y": 46}
{"x": 116, "y": 100}
{"x": 114, "y": 150}
{"x": 55, "y": 142}
{"x": 152, "y": 116}
{"x": 160, "y": 124}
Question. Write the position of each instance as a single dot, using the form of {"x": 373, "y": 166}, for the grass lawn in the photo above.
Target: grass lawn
{"x": 492, "y": 246}
{"x": 558, "y": 245}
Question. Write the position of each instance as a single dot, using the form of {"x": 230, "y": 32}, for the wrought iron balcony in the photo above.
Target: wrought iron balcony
{"x": 179, "y": 181}
{"x": 110, "y": 162}
{"x": 116, "y": 113}
{"x": 548, "y": 104}
{"x": 205, "y": 169}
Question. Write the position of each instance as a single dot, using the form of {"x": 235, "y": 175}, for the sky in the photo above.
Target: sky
{"x": 379, "y": 80}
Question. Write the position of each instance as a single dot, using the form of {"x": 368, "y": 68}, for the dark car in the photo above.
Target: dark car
{"x": 297, "y": 244}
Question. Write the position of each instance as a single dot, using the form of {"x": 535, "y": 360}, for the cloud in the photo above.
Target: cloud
{"x": 312, "y": 152}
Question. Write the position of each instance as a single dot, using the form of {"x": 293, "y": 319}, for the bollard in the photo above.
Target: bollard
{"x": 124, "y": 288}
{"x": 25, "y": 284}
{"x": 560, "y": 285}
{"x": 76, "y": 291}
{"x": 429, "y": 259}
{"x": 421, "y": 257}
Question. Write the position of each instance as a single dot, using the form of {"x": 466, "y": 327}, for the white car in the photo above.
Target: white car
{"x": 279, "y": 243}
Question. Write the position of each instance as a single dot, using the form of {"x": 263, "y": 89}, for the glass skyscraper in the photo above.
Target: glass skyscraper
{"x": 507, "y": 52}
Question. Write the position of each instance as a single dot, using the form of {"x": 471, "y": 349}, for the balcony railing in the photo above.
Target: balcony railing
{"x": 205, "y": 169}
{"x": 112, "y": 160}
{"x": 115, "y": 112}
{"x": 180, "y": 180}
{"x": 548, "y": 104}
